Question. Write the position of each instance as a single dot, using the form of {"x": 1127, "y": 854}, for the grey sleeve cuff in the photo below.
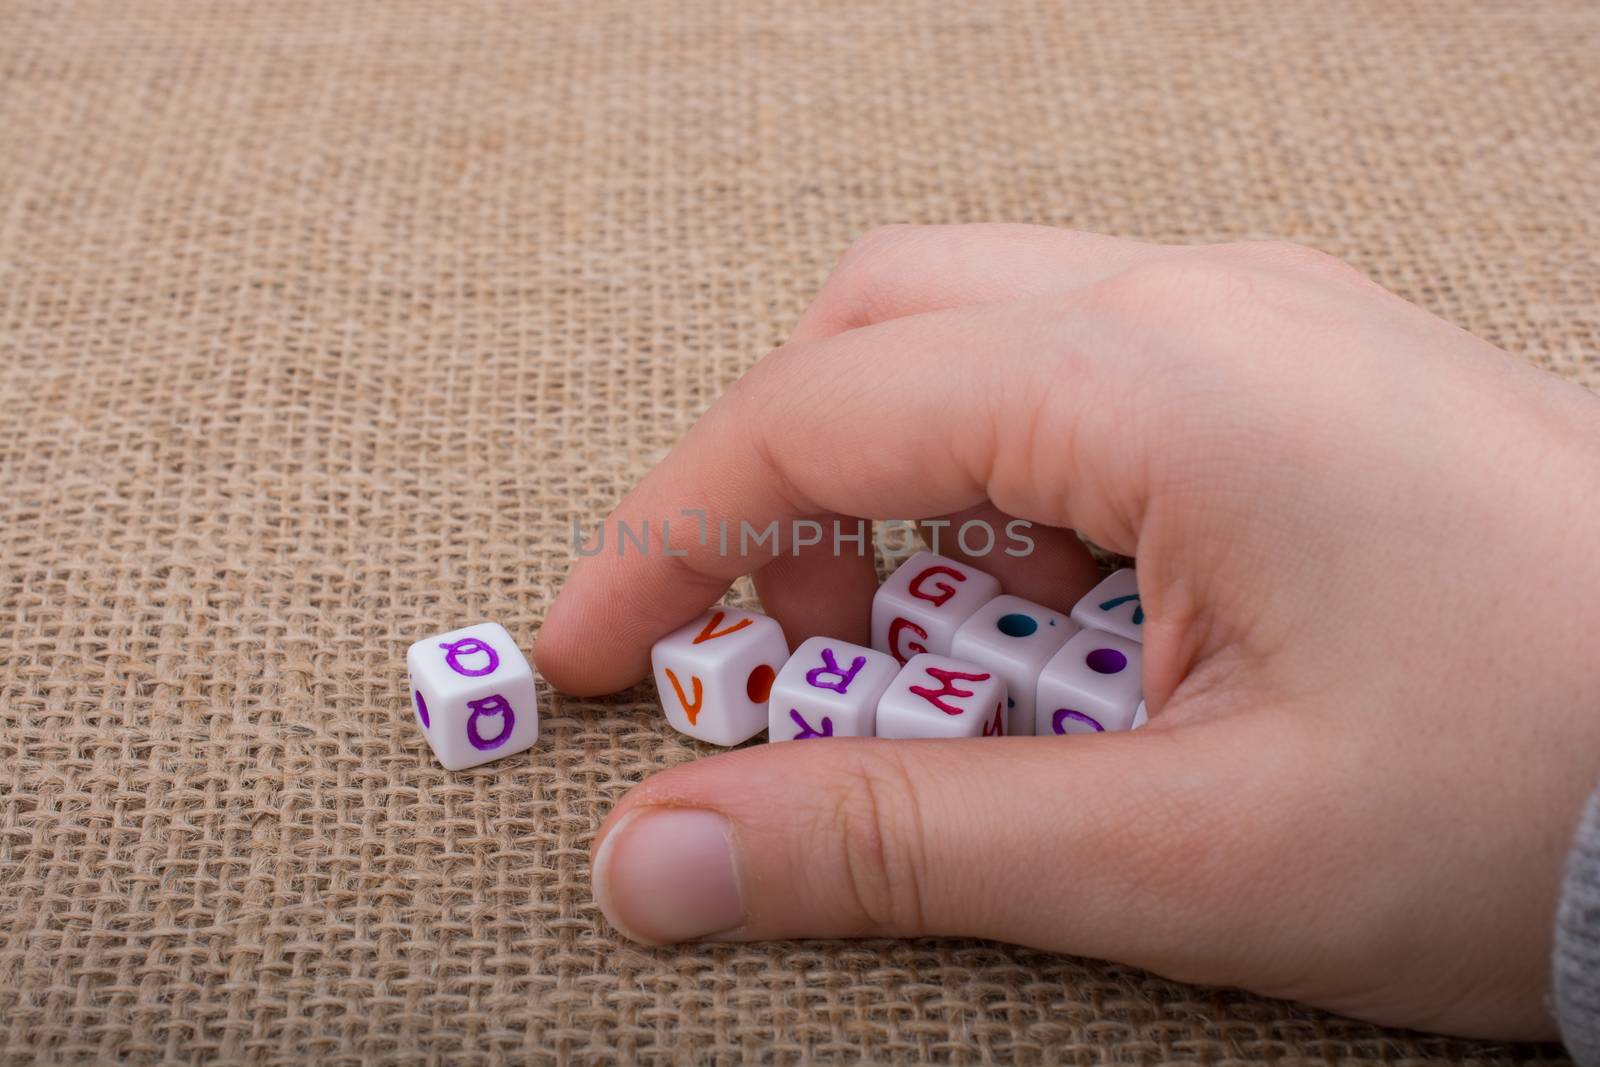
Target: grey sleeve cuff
{"x": 1577, "y": 953}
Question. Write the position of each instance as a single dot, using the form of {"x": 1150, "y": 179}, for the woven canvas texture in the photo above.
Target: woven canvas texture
{"x": 320, "y": 323}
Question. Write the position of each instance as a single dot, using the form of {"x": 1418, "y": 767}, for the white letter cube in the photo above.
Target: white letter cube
{"x": 937, "y": 696}
{"x": 924, "y": 602}
{"x": 1113, "y": 605}
{"x": 474, "y": 695}
{"x": 1092, "y": 684}
{"x": 715, "y": 674}
{"x": 829, "y": 689}
{"x": 1015, "y": 638}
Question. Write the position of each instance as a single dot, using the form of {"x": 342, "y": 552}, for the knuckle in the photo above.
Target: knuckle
{"x": 872, "y": 269}
{"x": 754, "y": 412}
{"x": 880, "y": 239}
{"x": 1181, "y": 286}
{"x": 1256, "y": 281}
{"x": 873, "y": 815}
{"x": 1293, "y": 257}
{"x": 871, "y": 257}
{"x": 753, "y": 393}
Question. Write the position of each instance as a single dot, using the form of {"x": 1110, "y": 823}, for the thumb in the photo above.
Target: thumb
{"x": 1116, "y": 846}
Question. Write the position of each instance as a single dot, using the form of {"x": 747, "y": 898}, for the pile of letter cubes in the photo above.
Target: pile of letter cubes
{"x": 950, "y": 657}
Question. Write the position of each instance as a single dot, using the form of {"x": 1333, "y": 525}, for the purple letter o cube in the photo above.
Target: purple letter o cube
{"x": 473, "y": 695}
{"x": 1092, "y": 685}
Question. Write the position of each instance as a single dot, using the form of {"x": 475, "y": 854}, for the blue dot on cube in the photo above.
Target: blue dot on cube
{"x": 1016, "y": 625}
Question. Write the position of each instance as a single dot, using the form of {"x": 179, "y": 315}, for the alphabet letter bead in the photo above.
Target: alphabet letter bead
{"x": 1113, "y": 605}
{"x": 829, "y": 689}
{"x": 1015, "y": 638}
{"x": 715, "y": 674}
{"x": 1092, "y": 684}
{"x": 474, "y": 695}
{"x": 923, "y": 603}
{"x": 938, "y": 696}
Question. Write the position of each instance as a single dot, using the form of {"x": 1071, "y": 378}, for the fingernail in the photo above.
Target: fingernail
{"x": 667, "y": 874}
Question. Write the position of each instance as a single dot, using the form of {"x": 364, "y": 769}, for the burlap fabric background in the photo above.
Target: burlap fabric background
{"x": 319, "y": 323}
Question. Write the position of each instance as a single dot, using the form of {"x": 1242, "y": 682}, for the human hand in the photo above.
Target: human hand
{"x": 1366, "y": 551}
